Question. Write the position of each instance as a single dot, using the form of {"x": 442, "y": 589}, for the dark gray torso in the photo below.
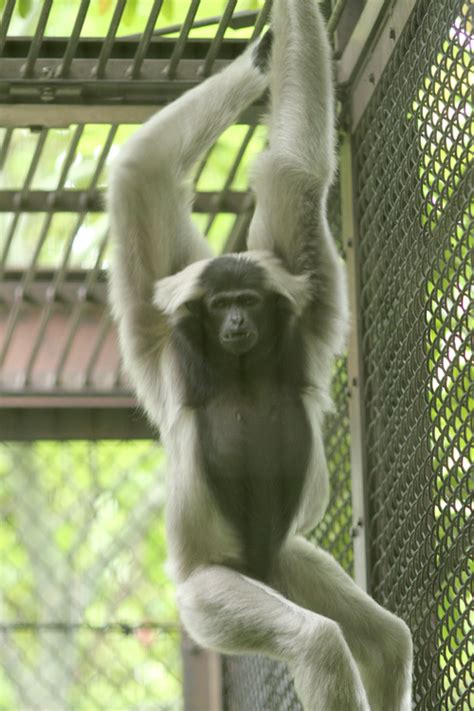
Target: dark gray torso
{"x": 255, "y": 444}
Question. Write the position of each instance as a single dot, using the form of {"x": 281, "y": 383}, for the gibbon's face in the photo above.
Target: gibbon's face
{"x": 235, "y": 318}
{"x": 239, "y": 314}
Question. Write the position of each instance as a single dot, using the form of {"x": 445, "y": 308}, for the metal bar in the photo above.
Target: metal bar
{"x": 101, "y": 418}
{"x": 5, "y": 24}
{"x": 62, "y": 272}
{"x": 24, "y": 115}
{"x": 13, "y": 315}
{"x": 336, "y": 16}
{"x": 73, "y": 327}
{"x": 367, "y": 72}
{"x": 202, "y": 677}
{"x": 359, "y": 42}
{"x": 30, "y": 271}
{"x": 145, "y": 40}
{"x": 245, "y": 18}
{"x": 262, "y": 18}
{"x": 35, "y": 47}
{"x": 182, "y": 40}
{"x": 109, "y": 39}
{"x": 92, "y": 185}
{"x": 119, "y": 375}
{"x": 360, "y": 529}
{"x": 124, "y": 48}
{"x": 91, "y": 279}
{"x": 202, "y": 166}
{"x": 40, "y": 290}
{"x": 45, "y": 315}
{"x": 35, "y": 398}
{"x": 5, "y": 146}
{"x": 21, "y": 195}
{"x": 219, "y": 36}
{"x": 94, "y": 201}
{"x": 237, "y": 239}
{"x": 80, "y": 86}
{"x": 104, "y": 328}
{"x": 48, "y": 310}
{"x": 222, "y": 196}
{"x": 29, "y": 274}
{"x": 71, "y": 48}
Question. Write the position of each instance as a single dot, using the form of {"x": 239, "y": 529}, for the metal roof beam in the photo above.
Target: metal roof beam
{"x": 86, "y": 79}
{"x": 64, "y": 418}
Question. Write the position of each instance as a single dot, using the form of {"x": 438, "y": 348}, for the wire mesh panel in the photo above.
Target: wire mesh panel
{"x": 414, "y": 199}
{"x": 88, "y": 615}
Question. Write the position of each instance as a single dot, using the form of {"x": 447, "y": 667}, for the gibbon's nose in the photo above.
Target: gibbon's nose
{"x": 237, "y": 320}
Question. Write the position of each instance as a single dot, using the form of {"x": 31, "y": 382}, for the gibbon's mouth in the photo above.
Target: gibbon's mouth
{"x": 239, "y": 342}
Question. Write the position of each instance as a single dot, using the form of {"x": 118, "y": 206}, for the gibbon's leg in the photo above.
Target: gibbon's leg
{"x": 227, "y": 611}
{"x": 379, "y": 641}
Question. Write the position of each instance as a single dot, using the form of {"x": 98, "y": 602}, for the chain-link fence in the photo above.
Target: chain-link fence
{"x": 88, "y": 617}
{"x": 414, "y": 199}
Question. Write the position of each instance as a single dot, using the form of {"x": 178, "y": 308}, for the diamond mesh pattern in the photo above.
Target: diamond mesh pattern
{"x": 89, "y": 620}
{"x": 415, "y": 220}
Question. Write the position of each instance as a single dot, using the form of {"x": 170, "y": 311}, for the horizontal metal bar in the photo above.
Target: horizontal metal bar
{"x": 45, "y": 276}
{"x": 71, "y": 290}
{"x": 26, "y": 115}
{"x": 123, "y": 48}
{"x": 94, "y": 201}
{"x": 71, "y": 417}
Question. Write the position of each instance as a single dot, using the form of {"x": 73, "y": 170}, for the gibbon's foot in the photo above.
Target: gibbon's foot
{"x": 263, "y": 50}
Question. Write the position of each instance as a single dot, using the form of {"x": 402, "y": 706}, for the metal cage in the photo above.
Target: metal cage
{"x": 398, "y": 439}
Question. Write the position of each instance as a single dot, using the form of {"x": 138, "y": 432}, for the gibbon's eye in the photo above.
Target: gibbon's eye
{"x": 251, "y": 300}
{"x": 220, "y": 302}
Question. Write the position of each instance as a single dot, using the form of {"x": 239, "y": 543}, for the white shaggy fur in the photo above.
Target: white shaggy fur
{"x": 345, "y": 651}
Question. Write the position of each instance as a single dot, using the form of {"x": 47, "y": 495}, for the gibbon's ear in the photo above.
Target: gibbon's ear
{"x": 296, "y": 288}
{"x": 172, "y": 293}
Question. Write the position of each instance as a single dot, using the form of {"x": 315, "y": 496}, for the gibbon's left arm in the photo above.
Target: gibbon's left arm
{"x": 292, "y": 178}
{"x": 150, "y": 205}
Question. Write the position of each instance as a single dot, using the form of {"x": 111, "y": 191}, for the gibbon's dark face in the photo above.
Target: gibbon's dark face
{"x": 235, "y": 316}
{"x": 240, "y": 314}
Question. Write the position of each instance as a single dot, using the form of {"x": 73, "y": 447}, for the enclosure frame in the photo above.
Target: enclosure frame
{"x": 79, "y": 82}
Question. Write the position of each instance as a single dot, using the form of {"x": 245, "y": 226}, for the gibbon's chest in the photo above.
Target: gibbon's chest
{"x": 255, "y": 427}
{"x": 255, "y": 445}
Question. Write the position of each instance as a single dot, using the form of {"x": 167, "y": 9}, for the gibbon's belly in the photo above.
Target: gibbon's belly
{"x": 255, "y": 452}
